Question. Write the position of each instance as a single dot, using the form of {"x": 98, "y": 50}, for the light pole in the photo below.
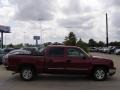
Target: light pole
{"x": 41, "y": 19}
{"x": 43, "y": 35}
{"x": 24, "y": 38}
{"x": 42, "y": 30}
{"x": 5, "y": 40}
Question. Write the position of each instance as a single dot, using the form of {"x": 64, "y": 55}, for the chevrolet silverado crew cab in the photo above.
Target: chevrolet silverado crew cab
{"x": 60, "y": 59}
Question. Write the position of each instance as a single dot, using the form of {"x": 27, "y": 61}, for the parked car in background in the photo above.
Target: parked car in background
{"x": 7, "y": 50}
{"x": 111, "y": 49}
{"x": 1, "y": 55}
{"x": 117, "y": 51}
{"x": 93, "y": 49}
{"x": 33, "y": 50}
{"x": 100, "y": 49}
{"x": 105, "y": 49}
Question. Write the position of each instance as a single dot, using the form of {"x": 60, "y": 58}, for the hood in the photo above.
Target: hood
{"x": 101, "y": 59}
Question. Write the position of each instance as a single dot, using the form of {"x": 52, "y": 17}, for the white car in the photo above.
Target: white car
{"x": 105, "y": 49}
{"x": 117, "y": 51}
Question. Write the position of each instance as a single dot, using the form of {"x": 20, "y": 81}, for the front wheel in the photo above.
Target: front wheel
{"x": 27, "y": 73}
{"x": 100, "y": 74}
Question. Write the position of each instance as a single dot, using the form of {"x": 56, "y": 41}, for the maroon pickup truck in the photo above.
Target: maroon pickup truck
{"x": 60, "y": 60}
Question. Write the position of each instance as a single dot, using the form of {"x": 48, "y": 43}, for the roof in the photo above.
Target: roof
{"x": 60, "y": 46}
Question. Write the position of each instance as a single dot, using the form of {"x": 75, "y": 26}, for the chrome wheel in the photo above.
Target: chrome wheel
{"x": 27, "y": 74}
{"x": 100, "y": 74}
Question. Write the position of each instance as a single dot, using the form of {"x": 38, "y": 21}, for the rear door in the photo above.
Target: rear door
{"x": 55, "y": 60}
{"x": 77, "y": 61}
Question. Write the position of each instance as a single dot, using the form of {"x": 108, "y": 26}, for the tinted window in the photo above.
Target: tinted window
{"x": 56, "y": 52}
{"x": 74, "y": 52}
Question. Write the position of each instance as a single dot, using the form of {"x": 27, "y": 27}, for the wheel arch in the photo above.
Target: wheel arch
{"x": 20, "y": 66}
{"x": 99, "y": 66}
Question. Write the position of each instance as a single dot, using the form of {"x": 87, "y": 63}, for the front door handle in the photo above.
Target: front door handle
{"x": 50, "y": 61}
{"x": 68, "y": 61}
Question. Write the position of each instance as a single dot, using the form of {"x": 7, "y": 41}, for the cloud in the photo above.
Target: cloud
{"x": 112, "y": 2}
{"x": 34, "y": 9}
{"x": 116, "y": 19}
{"x": 79, "y": 19}
{"x": 76, "y": 7}
{"x": 83, "y": 22}
{"x": 73, "y": 7}
{"x": 83, "y": 17}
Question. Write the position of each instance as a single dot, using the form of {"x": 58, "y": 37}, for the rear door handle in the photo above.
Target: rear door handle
{"x": 68, "y": 61}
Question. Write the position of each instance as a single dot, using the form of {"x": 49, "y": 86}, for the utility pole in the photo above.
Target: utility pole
{"x": 24, "y": 38}
{"x": 1, "y": 39}
{"x": 107, "y": 42}
{"x": 41, "y": 28}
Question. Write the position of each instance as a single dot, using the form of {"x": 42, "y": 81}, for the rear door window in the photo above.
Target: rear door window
{"x": 57, "y": 51}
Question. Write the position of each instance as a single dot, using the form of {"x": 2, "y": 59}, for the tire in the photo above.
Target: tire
{"x": 27, "y": 73}
{"x": 99, "y": 74}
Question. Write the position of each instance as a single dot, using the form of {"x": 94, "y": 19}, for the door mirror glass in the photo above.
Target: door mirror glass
{"x": 90, "y": 55}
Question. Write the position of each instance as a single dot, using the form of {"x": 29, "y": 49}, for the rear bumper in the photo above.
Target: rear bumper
{"x": 10, "y": 68}
{"x": 6, "y": 67}
{"x": 112, "y": 71}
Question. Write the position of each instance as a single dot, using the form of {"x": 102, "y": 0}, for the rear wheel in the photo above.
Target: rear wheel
{"x": 100, "y": 73}
{"x": 27, "y": 73}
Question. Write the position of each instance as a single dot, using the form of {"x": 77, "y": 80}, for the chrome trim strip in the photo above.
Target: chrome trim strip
{"x": 56, "y": 68}
{"x": 68, "y": 68}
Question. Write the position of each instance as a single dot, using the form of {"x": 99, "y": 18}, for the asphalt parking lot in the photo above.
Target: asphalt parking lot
{"x": 61, "y": 82}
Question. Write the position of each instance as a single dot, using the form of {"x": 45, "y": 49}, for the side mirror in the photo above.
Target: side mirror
{"x": 83, "y": 57}
{"x": 91, "y": 55}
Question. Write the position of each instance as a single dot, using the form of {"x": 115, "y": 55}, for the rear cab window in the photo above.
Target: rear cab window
{"x": 56, "y": 51}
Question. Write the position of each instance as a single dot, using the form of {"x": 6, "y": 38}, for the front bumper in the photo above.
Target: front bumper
{"x": 112, "y": 71}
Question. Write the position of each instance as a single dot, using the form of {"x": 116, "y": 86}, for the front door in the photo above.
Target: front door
{"x": 77, "y": 61}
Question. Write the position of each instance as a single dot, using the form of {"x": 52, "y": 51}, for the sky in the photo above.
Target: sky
{"x": 52, "y": 20}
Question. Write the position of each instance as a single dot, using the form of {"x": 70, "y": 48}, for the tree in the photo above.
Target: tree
{"x": 101, "y": 44}
{"x": 18, "y": 45}
{"x": 70, "y": 39}
{"x": 10, "y": 45}
{"x": 82, "y": 45}
{"x": 115, "y": 43}
{"x": 92, "y": 43}
{"x": 47, "y": 43}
